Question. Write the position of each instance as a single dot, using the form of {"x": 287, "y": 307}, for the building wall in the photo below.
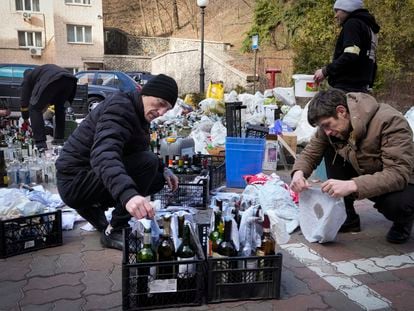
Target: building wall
{"x": 51, "y": 21}
{"x": 77, "y": 54}
{"x": 13, "y": 21}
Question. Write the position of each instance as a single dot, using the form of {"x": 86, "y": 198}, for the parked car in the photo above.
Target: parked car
{"x": 11, "y": 77}
{"x": 141, "y": 77}
{"x": 104, "y": 81}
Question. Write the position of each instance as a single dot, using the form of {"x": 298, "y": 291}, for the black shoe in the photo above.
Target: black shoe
{"x": 58, "y": 142}
{"x": 95, "y": 215}
{"x": 41, "y": 146}
{"x": 112, "y": 238}
{"x": 399, "y": 232}
{"x": 351, "y": 225}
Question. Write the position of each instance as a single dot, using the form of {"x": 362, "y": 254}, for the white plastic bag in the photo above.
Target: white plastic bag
{"x": 320, "y": 216}
{"x": 293, "y": 116}
{"x": 409, "y": 115}
{"x": 285, "y": 94}
{"x": 304, "y": 131}
{"x": 218, "y": 134}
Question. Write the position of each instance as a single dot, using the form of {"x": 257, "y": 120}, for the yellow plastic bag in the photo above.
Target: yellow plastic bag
{"x": 215, "y": 90}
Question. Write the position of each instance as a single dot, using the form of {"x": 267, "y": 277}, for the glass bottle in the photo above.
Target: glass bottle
{"x": 4, "y": 181}
{"x": 215, "y": 236}
{"x": 181, "y": 219}
{"x": 268, "y": 244}
{"x": 267, "y": 248}
{"x": 145, "y": 255}
{"x": 166, "y": 250}
{"x": 227, "y": 249}
{"x": 186, "y": 252}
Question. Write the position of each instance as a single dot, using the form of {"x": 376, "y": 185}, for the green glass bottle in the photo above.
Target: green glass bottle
{"x": 227, "y": 249}
{"x": 145, "y": 255}
{"x": 166, "y": 250}
{"x": 215, "y": 236}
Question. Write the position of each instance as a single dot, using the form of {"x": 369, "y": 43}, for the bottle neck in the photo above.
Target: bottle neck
{"x": 227, "y": 230}
{"x": 186, "y": 236}
{"x": 147, "y": 240}
{"x": 217, "y": 220}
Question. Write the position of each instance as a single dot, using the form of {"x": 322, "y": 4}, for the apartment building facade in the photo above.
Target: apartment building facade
{"x": 68, "y": 33}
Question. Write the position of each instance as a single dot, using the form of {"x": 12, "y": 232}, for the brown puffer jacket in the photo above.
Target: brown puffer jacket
{"x": 380, "y": 148}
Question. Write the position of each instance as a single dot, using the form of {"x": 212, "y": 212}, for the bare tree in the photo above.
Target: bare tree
{"x": 175, "y": 15}
{"x": 169, "y": 16}
{"x": 192, "y": 15}
{"x": 162, "y": 27}
{"x": 144, "y": 20}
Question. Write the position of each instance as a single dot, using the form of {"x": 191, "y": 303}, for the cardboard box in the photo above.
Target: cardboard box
{"x": 291, "y": 139}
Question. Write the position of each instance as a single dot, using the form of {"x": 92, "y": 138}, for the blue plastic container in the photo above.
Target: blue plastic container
{"x": 244, "y": 156}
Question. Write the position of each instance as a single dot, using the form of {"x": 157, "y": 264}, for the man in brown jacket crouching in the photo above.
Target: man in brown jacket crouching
{"x": 373, "y": 157}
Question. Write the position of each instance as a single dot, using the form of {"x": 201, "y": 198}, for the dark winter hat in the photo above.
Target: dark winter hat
{"x": 348, "y": 5}
{"x": 162, "y": 86}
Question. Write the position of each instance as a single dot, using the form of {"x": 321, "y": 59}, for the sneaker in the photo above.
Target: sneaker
{"x": 399, "y": 232}
{"x": 112, "y": 238}
{"x": 351, "y": 225}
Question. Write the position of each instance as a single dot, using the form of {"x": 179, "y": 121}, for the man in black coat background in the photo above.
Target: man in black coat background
{"x": 353, "y": 67}
{"x": 106, "y": 161}
{"x": 45, "y": 85}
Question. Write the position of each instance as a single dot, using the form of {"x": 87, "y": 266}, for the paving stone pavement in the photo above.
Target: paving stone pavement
{"x": 359, "y": 271}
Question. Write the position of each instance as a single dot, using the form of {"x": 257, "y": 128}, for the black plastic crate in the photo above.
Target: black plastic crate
{"x": 233, "y": 118}
{"x": 244, "y": 278}
{"x": 256, "y": 131}
{"x": 143, "y": 288}
{"x": 26, "y": 234}
{"x": 188, "y": 194}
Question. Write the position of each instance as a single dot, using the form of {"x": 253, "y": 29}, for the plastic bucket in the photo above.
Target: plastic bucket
{"x": 305, "y": 86}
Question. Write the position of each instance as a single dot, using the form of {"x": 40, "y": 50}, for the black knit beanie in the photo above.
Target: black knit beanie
{"x": 162, "y": 86}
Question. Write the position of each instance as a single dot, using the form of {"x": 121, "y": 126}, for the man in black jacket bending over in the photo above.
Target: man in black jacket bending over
{"x": 353, "y": 66}
{"x": 106, "y": 161}
{"x": 45, "y": 85}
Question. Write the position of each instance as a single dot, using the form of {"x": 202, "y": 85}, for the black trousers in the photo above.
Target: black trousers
{"x": 86, "y": 191}
{"x": 56, "y": 93}
{"x": 396, "y": 206}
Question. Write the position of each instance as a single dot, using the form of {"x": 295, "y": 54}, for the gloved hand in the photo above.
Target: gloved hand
{"x": 171, "y": 179}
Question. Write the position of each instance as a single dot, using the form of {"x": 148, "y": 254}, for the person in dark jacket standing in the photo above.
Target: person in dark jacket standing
{"x": 45, "y": 85}
{"x": 106, "y": 161}
{"x": 354, "y": 61}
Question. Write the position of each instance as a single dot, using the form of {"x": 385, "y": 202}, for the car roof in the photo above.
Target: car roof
{"x": 18, "y": 65}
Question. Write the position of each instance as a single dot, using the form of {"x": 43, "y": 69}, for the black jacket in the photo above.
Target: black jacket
{"x": 35, "y": 82}
{"x": 348, "y": 71}
{"x": 116, "y": 127}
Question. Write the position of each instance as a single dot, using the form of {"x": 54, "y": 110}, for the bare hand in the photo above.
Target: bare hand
{"x": 339, "y": 188}
{"x": 318, "y": 76}
{"x": 299, "y": 182}
{"x": 171, "y": 179}
{"x": 139, "y": 207}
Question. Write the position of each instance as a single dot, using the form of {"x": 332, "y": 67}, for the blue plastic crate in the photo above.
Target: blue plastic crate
{"x": 244, "y": 156}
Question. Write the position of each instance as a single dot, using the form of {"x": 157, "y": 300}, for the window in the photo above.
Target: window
{"x": 13, "y": 72}
{"x": 30, "y": 39}
{"x": 28, "y": 5}
{"x": 78, "y": 1}
{"x": 79, "y": 34}
{"x": 107, "y": 79}
{"x": 86, "y": 78}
